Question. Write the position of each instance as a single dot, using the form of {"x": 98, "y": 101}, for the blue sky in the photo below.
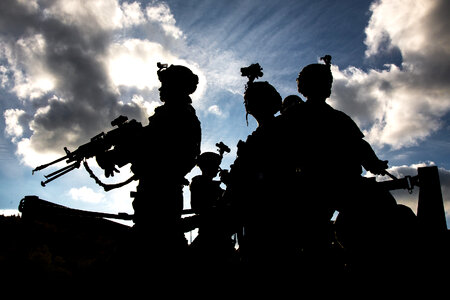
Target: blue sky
{"x": 67, "y": 68}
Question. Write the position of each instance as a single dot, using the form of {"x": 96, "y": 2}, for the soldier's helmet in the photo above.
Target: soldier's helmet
{"x": 316, "y": 79}
{"x": 209, "y": 160}
{"x": 262, "y": 97}
{"x": 289, "y": 102}
{"x": 180, "y": 76}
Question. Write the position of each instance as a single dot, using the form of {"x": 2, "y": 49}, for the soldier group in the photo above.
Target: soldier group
{"x": 278, "y": 200}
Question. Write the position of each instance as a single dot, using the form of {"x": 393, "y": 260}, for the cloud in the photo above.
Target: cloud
{"x": 32, "y": 79}
{"x": 33, "y": 158}
{"x": 215, "y": 110}
{"x": 87, "y": 195}
{"x": 160, "y": 13}
{"x": 56, "y": 54}
{"x": 13, "y": 127}
{"x": 400, "y": 106}
{"x": 222, "y": 68}
{"x": 148, "y": 106}
{"x": 9, "y": 212}
{"x": 132, "y": 14}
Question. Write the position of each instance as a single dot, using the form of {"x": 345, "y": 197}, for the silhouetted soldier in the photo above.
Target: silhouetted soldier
{"x": 213, "y": 247}
{"x": 257, "y": 184}
{"x": 332, "y": 152}
{"x": 165, "y": 152}
{"x": 205, "y": 191}
{"x": 330, "y": 139}
{"x": 330, "y": 127}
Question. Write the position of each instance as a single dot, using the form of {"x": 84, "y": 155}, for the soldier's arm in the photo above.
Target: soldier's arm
{"x": 370, "y": 160}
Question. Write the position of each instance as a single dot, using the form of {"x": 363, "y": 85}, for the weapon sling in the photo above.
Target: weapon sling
{"x": 106, "y": 187}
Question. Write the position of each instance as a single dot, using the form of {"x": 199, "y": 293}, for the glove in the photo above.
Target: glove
{"x": 379, "y": 167}
{"x": 110, "y": 171}
{"x": 106, "y": 162}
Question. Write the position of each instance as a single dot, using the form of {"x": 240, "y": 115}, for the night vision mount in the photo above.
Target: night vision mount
{"x": 252, "y": 72}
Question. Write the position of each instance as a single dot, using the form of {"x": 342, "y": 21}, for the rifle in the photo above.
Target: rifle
{"x": 120, "y": 137}
{"x": 407, "y": 182}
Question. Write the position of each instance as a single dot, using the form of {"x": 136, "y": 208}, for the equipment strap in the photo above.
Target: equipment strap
{"x": 106, "y": 187}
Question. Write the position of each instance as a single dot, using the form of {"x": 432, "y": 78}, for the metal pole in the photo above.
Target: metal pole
{"x": 430, "y": 209}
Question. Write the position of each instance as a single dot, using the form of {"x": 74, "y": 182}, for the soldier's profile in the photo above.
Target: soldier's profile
{"x": 164, "y": 152}
{"x": 258, "y": 180}
{"x": 328, "y": 139}
{"x": 205, "y": 191}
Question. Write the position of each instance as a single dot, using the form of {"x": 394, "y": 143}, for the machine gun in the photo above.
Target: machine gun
{"x": 120, "y": 137}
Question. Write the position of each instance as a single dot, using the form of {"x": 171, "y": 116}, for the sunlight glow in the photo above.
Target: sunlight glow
{"x": 133, "y": 63}
{"x": 45, "y": 83}
{"x": 129, "y": 70}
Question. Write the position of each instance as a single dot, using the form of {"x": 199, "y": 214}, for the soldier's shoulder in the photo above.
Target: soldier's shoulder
{"x": 197, "y": 179}
{"x": 350, "y": 126}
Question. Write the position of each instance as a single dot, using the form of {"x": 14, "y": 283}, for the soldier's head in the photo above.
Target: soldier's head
{"x": 209, "y": 163}
{"x": 176, "y": 81}
{"x": 290, "y": 102}
{"x": 262, "y": 100}
{"x": 315, "y": 80}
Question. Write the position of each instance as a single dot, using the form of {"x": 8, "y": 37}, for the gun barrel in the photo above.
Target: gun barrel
{"x": 49, "y": 164}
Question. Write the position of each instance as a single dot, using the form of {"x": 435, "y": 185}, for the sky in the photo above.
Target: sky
{"x": 68, "y": 68}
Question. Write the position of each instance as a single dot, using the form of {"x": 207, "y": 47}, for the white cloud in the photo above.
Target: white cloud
{"x": 87, "y": 195}
{"x": 87, "y": 15}
{"x": 393, "y": 110}
{"x": 10, "y": 212}
{"x": 3, "y": 77}
{"x": 132, "y": 14}
{"x": 111, "y": 15}
{"x": 32, "y": 79}
{"x": 400, "y": 106}
{"x": 215, "y": 110}
{"x": 148, "y": 106}
{"x": 119, "y": 200}
{"x": 13, "y": 126}
{"x": 30, "y": 157}
{"x": 399, "y": 23}
{"x": 160, "y": 12}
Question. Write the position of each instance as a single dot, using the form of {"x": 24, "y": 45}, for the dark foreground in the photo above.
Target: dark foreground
{"x": 93, "y": 252}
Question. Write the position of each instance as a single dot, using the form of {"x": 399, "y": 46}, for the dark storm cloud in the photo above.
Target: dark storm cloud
{"x": 83, "y": 100}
